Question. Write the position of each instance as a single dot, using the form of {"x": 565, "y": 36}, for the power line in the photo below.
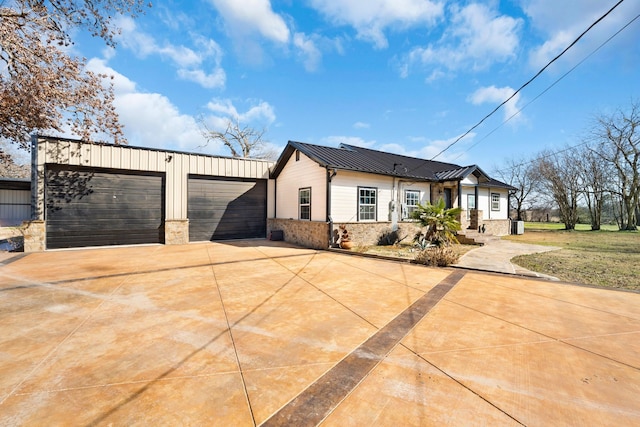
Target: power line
{"x": 551, "y": 86}
{"x": 530, "y": 80}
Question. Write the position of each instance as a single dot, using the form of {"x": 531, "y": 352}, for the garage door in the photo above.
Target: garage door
{"x": 86, "y": 207}
{"x": 223, "y": 209}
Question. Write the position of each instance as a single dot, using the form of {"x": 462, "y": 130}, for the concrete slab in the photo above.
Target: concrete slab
{"x": 236, "y": 333}
{"x": 496, "y": 255}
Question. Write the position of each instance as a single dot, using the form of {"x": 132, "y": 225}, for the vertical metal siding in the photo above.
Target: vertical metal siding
{"x": 177, "y": 169}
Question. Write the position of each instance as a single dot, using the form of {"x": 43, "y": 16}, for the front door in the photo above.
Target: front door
{"x": 447, "y": 198}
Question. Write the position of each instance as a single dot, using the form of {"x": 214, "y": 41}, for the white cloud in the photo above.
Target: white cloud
{"x": 361, "y": 125}
{"x": 191, "y": 63}
{"x": 308, "y": 51}
{"x": 371, "y": 18}
{"x": 242, "y": 17}
{"x": 561, "y": 23}
{"x": 452, "y": 154}
{"x": 497, "y": 95}
{"x": 150, "y": 119}
{"x": 476, "y": 38}
{"x": 350, "y": 140}
{"x": 259, "y": 114}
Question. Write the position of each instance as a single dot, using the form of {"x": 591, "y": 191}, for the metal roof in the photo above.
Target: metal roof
{"x": 359, "y": 159}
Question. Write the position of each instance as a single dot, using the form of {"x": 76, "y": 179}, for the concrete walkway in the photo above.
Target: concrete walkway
{"x": 258, "y": 332}
{"x": 496, "y": 255}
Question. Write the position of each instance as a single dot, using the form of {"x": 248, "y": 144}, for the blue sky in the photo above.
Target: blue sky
{"x": 405, "y": 76}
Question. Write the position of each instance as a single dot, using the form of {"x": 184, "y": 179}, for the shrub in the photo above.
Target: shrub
{"x": 437, "y": 256}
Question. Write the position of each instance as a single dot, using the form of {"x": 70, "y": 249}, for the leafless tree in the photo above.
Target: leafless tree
{"x": 242, "y": 140}
{"x": 9, "y": 169}
{"x": 42, "y": 87}
{"x": 596, "y": 178}
{"x": 618, "y": 137}
{"x": 559, "y": 178}
{"x": 521, "y": 174}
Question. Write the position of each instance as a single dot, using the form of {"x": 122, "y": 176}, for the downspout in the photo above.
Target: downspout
{"x": 460, "y": 194}
{"x": 330, "y": 174}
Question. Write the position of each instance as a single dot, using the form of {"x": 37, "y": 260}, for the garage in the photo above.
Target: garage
{"x": 97, "y": 207}
{"x": 226, "y": 208}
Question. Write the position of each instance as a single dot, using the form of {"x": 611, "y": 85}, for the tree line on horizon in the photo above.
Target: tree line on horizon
{"x": 600, "y": 175}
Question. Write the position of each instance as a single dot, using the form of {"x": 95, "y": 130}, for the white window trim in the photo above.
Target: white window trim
{"x": 495, "y": 205}
{"x": 300, "y": 205}
{"x": 375, "y": 205}
{"x": 406, "y": 214}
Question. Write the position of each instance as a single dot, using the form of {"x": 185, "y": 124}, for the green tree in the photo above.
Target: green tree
{"x": 440, "y": 223}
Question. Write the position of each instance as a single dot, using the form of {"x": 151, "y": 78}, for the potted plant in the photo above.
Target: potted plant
{"x": 345, "y": 240}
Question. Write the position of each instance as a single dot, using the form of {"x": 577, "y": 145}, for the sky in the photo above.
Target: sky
{"x": 403, "y": 76}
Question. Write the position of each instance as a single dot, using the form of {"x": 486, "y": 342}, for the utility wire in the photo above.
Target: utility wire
{"x": 529, "y": 81}
{"x": 549, "y": 88}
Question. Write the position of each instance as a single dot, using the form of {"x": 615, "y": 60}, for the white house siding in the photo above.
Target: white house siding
{"x": 423, "y": 187}
{"x": 298, "y": 174}
{"x": 177, "y": 167}
{"x": 344, "y": 195}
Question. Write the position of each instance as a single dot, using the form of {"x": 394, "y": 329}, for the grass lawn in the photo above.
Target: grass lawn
{"x": 607, "y": 258}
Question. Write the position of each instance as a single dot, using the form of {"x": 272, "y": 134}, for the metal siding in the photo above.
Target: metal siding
{"x": 67, "y": 152}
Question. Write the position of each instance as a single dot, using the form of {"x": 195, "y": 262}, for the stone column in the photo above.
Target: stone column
{"x": 176, "y": 231}
{"x": 35, "y": 236}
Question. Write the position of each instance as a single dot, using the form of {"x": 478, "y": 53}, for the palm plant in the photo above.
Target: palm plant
{"x": 440, "y": 223}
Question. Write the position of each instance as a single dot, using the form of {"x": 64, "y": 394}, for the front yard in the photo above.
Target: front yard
{"x": 599, "y": 258}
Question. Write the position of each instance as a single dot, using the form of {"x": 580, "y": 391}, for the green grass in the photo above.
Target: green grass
{"x": 608, "y": 258}
{"x": 557, "y": 226}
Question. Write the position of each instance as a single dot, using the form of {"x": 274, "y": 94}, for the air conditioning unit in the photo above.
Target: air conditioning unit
{"x": 517, "y": 227}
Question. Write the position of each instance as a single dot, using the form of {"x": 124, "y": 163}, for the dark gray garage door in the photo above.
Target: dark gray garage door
{"x": 88, "y": 207}
{"x": 223, "y": 209}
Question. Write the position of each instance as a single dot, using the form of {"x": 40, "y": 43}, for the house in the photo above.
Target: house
{"x": 373, "y": 193}
{"x": 88, "y": 194}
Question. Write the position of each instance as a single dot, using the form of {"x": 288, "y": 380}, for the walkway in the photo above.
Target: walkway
{"x": 496, "y": 255}
{"x": 257, "y": 332}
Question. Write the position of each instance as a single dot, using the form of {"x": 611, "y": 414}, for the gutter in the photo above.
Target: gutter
{"x": 330, "y": 174}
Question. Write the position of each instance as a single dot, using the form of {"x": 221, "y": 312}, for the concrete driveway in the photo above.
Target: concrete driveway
{"x": 258, "y": 332}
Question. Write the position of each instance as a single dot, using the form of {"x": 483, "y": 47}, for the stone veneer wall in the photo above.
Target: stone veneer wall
{"x": 315, "y": 234}
{"x": 35, "y": 236}
{"x": 370, "y": 233}
{"x": 497, "y": 227}
{"x": 310, "y": 234}
{"x": 176, "y": 231}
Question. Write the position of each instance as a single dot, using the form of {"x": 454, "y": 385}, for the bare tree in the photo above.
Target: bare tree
{"x": 560, "y": 179}
{"x": 42, "y": 87}
{"x": 595, "y": 176}
{"x": 9, "y": 169}
{"x": 242, "y": 140}
{"x": 521, "y": 174}
{"x": 618, "y": 135}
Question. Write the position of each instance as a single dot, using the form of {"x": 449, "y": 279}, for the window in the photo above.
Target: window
{"x": 297, "y": 156}
{"x": 495, "y": 201}
{"x": 304, "y": 202}
{"x": 411, "y": 200}
{"x": 471, "y": 204}
{"x": 367, "y": 203}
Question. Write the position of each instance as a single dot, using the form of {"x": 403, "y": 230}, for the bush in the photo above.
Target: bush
{"x": 437, "y": 256}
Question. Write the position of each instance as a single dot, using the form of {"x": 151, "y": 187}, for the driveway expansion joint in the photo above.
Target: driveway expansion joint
{"x": 318, "y": 400}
